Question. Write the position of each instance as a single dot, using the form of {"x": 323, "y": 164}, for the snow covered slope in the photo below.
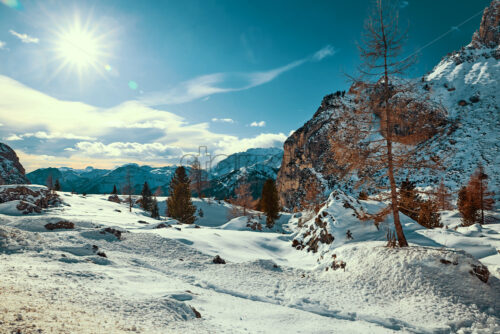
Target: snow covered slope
{"x": 150, "y": 276}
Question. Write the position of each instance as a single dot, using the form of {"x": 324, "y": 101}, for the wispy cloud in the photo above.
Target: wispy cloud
{"x": 217, "y": 83}
{"x": 53, "y": 135}
{"x": 80, "y": 133}
{"x": 326, "y": 51}
{"x": 13, "y": 137}
{"x": 260, "y": 124}
{"x": 2, "y": 45}
{"x": 222, "y": 120}
{"x": 25, "y": 38}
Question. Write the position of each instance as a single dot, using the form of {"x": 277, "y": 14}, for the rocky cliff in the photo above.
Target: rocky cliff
{"x": 464, "y": 82}
{"x": 11, "y": 170}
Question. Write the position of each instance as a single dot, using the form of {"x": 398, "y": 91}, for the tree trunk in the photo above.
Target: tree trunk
{"x": 390, "y": 166}
{"x": 394, "y": 199}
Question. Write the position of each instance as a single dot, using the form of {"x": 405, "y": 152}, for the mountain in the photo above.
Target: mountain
{"x": 254, "y": 166}
{"x": 465, "y": 82}
{"x": 11, "y": 170}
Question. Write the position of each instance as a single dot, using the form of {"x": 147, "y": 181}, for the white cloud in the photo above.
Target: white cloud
{"x": 217, "y": 83}
{"x": 25, "y": 38}
{"x": 222, "y": 120}
{"x": 2, "y": 45}
{"x": 258, "y": 124}
{"x": 326, "y": 51}
{"x": 102, "y": 134}
{"x": 264, "y": 140}
{"x": 150, "y": 151}
{"x": 54, "y": 135}
{"x": 13, "y": 138}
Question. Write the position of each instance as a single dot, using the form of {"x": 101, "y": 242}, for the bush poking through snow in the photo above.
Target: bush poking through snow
{"x": 363, "y": 196}
{"x": 480, "y": 272}
{"x": 116, "y": 233}
{"x": 218, "y": 260}
{"x": 337, "y": 264}
{"x": 114, "y": 198}
{"x": 391, "y": 239}
{"x": 60, "y": 225}
{"x": 196, "y": 313}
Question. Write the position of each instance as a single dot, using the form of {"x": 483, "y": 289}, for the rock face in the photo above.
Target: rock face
{"x": 488, "y": 34}
{"x": 11, "y": 170}
{"x": 464, "y": 82}
{"x": 306, "y": 155}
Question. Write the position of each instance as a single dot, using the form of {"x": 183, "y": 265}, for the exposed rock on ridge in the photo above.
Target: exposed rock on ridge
{"x": 11, "y": 170}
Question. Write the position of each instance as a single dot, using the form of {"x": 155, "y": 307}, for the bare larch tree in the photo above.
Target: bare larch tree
{"x": 385, "y": 132}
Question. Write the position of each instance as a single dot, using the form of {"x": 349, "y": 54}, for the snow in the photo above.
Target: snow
{"x": 152, "y": 277}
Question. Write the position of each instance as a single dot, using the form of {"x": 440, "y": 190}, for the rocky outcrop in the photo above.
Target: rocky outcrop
{"x": 488, "y": 34}
{"x": 306, "y": 155}
{"x": 11, "y": 170}
{"x": 28, "y": 199}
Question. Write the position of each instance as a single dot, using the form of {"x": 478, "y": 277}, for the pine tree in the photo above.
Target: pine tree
{"x": 49, "y": 182}
{"x": 115, "y": 191}
{"x": 428, "y": 214}
{"x": 128, "y": 189}
{"x": 155, "y": 213}
{"x": 146, "y": 197}
{"x": 475, "y": 198}
{"x": 57, "y": 185}
{"x": 197, "y": 178}
{"x": 270, "y": 202}
{"x": 243, "y": 198}
{"x": 467, "y": 208}
{"x": 409, "y": 200}
{"x": 443, "y": 197}
{"x": 179, "y": 204}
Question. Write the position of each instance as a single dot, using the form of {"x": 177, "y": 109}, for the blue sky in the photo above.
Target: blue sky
{"x": 163, "y": 77}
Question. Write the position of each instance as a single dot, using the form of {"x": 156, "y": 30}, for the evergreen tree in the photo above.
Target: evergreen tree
{"x": 409, "y": 200}
{"x": 49, "y": 182}
{"x": 466, "y": 207}
{"x": 428, "y": 215}
{"x": 57, "y": 185}
{"x": 115, "y": 191}
{"x": 269, "y": 202}
{"x": 475, "y": 198}
{"x": 179, "y": 204}
{"x": 443, "y": 197}
{"x": 155, "y": 212}
{"x": 146, "y": 200}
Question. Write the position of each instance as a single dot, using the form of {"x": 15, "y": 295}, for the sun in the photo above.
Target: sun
{"x": 81, "y": 49}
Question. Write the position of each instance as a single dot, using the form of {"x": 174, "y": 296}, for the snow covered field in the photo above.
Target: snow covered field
{"x": 151, "y": 279}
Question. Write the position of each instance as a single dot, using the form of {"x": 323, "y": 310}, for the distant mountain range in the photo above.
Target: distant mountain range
{"x": 253, "y": 166}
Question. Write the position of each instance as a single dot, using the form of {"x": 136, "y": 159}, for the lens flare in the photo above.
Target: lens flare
{"x": 133, "y": 85}
{"x": 15, "y": 4}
